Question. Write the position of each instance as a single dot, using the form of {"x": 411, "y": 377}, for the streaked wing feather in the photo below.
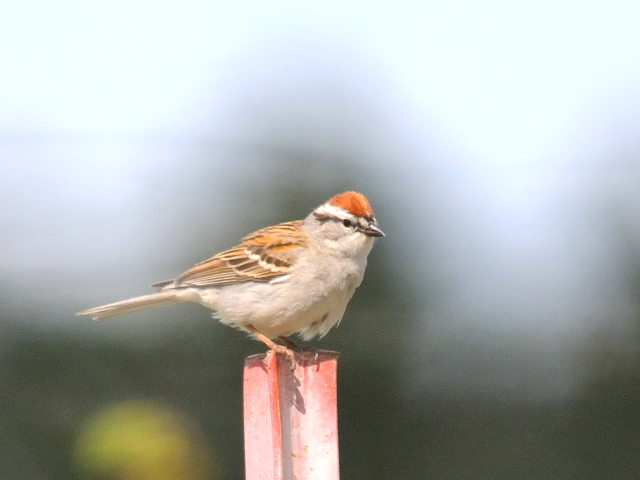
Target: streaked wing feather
{"x": 263, "y": 256}
{"x": 285, "y": 230}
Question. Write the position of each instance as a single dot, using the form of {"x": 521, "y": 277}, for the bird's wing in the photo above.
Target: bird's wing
{"x": 262, "y": 256}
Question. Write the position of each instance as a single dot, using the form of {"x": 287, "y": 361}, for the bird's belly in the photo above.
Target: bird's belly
{"x": 281, "y": 309}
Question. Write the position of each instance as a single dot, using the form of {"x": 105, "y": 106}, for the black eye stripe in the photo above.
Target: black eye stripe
{"x": 357, "y": 222}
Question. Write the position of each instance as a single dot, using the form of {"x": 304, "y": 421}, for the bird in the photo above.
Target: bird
{"x": 292, "y": 278}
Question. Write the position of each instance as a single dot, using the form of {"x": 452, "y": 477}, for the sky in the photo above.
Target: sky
{"x": 506, "y": 81}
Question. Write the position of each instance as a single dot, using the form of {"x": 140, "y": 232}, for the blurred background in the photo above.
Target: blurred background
{"x": 497, "y": 332}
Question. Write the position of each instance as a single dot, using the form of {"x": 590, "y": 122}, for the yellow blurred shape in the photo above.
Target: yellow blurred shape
{"x": 141, "y": 440}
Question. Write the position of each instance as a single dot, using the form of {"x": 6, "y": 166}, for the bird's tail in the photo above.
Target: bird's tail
{"x": 155, "y": 300}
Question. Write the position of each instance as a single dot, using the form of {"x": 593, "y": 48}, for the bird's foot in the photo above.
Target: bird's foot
{"x": 289, "y": 354}
{"x": 299, "y": 349}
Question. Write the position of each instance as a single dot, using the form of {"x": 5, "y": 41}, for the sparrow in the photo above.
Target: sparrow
{"x": 295, "y": 277}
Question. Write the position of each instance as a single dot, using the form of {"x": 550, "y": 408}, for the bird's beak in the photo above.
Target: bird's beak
{"x": 372, "y": 230}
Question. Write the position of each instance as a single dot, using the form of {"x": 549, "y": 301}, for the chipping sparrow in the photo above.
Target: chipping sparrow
{"x": 296, "y": 277}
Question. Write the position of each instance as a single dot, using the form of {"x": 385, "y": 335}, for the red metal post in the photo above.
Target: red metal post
{"x": 291, "y": 417}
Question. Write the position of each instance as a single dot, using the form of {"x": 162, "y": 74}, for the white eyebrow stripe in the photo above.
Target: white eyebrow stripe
{"x": 333, "y": 211}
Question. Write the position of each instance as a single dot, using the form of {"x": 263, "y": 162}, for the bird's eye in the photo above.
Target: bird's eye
{"x": 346, "y": 223}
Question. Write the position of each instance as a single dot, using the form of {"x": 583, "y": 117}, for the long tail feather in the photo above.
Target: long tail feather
{"x": 155, "y": 300}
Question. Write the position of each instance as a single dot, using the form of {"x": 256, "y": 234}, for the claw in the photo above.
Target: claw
{"x": 289, "y": 354}
{"x": 288, "y": 351}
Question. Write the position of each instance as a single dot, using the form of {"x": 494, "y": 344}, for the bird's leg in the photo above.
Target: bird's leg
{"x": 290, "y": 344}
{"x": 287, "y": 352}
